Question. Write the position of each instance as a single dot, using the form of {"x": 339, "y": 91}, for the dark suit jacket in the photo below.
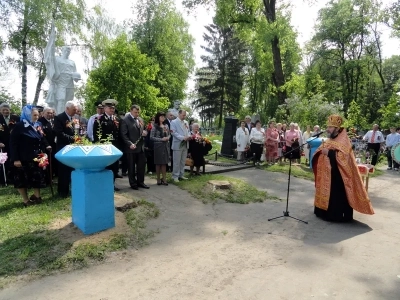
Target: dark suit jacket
{"x": 64, "y": 133}
{"x": 131, "y": 133}
{"x": 5, "y": 130}
{"x": 109, "y": 126}
{"x": 49, "y": 132}
{"x": 26, "y": 143}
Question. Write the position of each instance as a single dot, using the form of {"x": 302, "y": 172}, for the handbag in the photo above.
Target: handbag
{"x": 189, "y": 162}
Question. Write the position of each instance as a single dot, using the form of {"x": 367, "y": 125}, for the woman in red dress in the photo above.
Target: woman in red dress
{"x": 271, "y": 143}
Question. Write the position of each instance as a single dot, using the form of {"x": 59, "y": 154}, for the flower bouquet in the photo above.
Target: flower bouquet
{"x": 42, "y": 160}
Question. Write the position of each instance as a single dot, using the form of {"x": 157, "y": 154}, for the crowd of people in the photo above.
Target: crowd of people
{"x": 31, "y": 140}
{"x": 276, "y": 143}
{"x": 166, "y": 144}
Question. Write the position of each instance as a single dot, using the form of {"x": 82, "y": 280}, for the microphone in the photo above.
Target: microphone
{"x": 318, "y": 134}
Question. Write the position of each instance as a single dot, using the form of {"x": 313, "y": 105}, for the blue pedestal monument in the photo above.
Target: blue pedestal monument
{"x": 92, "y": 186}
{"x": 314, "y": 144}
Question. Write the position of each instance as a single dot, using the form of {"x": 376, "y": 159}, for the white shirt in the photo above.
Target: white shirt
{"x": 89, "y": 129}
{"x": 377, "y": 139}
{"x": 257, "y": 137}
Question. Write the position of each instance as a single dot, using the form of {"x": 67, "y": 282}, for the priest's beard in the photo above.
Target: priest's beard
{"x": 333, "y": 134}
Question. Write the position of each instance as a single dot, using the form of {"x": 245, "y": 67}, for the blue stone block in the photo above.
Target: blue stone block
{"x": 93, "y": 200}
{"x": 314, "y": 144}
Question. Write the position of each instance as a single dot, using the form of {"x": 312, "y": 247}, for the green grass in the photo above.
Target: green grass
{"x": 29, "y": 247}
{"x": 240, "y": 191}
{"x": 303, "y": 171}
{"x": 300, "y": 171}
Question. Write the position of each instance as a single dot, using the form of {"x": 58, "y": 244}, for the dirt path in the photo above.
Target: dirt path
{"x": 231, "y": 251}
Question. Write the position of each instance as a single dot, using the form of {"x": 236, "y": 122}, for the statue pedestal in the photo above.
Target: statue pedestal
{"x": 92, "y": 186}
{"x": 314, "y": 144}
{"x": 92, "y": 200}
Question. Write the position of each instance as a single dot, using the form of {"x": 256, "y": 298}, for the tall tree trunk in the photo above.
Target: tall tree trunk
{"x": 278, "y": 76}
{"x": 41, "y": 78}
{"x": 24, "y": 54}
{"x": 24, "y": 70}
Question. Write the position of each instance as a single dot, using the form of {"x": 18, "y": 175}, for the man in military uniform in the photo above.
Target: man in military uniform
{"x": 106, "y": 127}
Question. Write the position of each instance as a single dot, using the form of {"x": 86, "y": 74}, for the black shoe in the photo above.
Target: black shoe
{"x": 142, "y": 185}
{"x": 118, "y": 176}
{"x": 134, "y": 187}
{"x": 116, "y": 189}
{"x": 163, "y": 182}
{"x": 36, "y": 199}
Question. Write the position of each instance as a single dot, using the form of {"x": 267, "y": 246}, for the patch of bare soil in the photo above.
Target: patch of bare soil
{"x": 69, "y": 233}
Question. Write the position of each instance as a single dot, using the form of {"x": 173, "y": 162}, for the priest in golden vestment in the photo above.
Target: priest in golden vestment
{"x": 338, "y": 185}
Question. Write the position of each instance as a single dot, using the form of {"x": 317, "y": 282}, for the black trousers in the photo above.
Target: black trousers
{"x": 257, "y": 150}
{"x": 124, "y": 162}
{"x": 390, "y": 159}
{"x": 64, "y": 179}
{"x": 114, "y": 168}
{"x": 374, "y": 147}
{"x": 150, "y": 160}
{"x": 136, "y": 168}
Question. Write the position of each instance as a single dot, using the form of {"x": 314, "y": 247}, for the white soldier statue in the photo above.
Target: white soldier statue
{"x": 175, "y": 109}
{"x": 61, "y": 73}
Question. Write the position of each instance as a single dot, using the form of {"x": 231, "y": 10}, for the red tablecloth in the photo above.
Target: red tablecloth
{"x": 365, "y": 169}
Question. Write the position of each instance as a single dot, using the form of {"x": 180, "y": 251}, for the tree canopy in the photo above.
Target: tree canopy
{"x": 126, "y": 75}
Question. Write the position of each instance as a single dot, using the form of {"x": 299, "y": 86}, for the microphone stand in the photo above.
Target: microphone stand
{"x": 286, "y": 212}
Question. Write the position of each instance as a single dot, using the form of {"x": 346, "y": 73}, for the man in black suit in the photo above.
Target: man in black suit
{"x": 107, "y": 124}
{"x": 47, "y": 121}
{"x": 64, "y": 129}
{"x": 7, "y": 122}
{"x": 132, "y": 134}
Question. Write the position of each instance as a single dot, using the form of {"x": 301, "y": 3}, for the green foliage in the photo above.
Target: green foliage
{"x": 346, "y": 53}
{"x": 306, "y": 111}
{"x": 6, "y": 97}
{"x": 391, "y": 113}
{"x": 162, "y": 33}
{"x": 220, "y": 82}
{"x": 355, "y": 118}
{"x": 101, "y": 30}
{"x": 127, "y": 76}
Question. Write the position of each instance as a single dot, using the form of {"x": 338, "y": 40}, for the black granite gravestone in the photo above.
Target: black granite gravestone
{"x": 228, "y": 139}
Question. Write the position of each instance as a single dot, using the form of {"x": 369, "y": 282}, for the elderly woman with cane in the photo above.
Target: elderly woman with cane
{"x": 28, "y": 146}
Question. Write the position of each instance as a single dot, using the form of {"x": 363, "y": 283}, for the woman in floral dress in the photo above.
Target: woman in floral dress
{"x": 271, "y": 143}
